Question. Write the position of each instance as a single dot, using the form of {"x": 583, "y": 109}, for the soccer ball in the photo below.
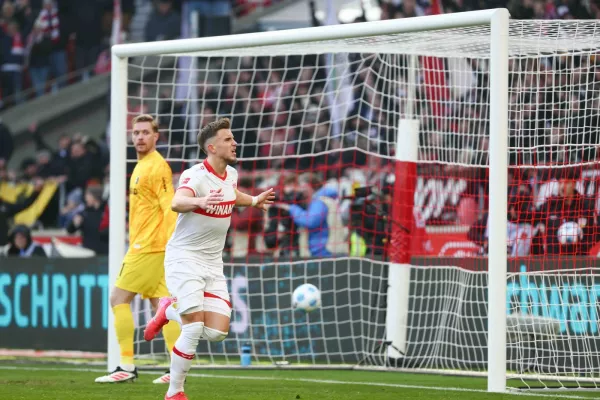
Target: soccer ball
{"x": 569, "y": 233}
{"x": 306, "y": 297}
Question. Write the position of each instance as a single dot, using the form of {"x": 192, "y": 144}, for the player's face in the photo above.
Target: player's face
{"x": 226, "y": 146}
{"x": 143, "y": 137}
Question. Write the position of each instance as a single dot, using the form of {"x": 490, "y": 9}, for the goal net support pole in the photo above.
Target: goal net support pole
{"x": 498, "y": 42}
{"x": 118, "y": 192}
{"x": 402, "y": 222}
{"x": 498, "y": 155}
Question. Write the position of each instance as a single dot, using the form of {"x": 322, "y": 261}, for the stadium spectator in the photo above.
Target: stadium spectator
{"x": 22, "y": 245}
{"x": 25, "y": 16}
{"x": 48, "y": 167}
{"x": 88, "y": 222}
{"x": 39, "y": 50}
{"x": 8, "y": 14}
{"x": 368, "y": 221}
{"x": 99, "y": 153}
{"x": 88, "y": 32}
{"x": 13, "y": 52}
{"x": 73, "y": 205}
{"x": 60, "y": 156}
{"x": 29, "y": 169}
{"x": 568, "y": 221}
{"x": 520, "y": 229}
{"x": 54, "y": 23}
{"x": 64, "y": 144}
{"x": 164, "y": 23}
{"x": 9, "y": 210}
{"x": 81, "y": 166}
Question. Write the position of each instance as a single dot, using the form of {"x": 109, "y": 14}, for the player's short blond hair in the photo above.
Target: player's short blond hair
{"x": 211, "y": 130}
{"x": 146, "y": 118}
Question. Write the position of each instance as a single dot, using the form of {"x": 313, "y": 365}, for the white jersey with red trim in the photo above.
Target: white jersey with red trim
{"x": 200, "y": 235}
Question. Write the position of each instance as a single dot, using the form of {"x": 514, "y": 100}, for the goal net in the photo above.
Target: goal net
{"x": 381, "y": 144}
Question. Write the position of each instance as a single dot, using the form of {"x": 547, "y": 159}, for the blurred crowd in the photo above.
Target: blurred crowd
{"x": 47, "y": 44}
{"x": 62, "y": 186}
{"x": 336, "y": 198}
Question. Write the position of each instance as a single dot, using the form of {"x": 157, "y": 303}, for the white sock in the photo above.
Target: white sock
{"x": 183, "y": 354}
{"x": 172, "y": 314}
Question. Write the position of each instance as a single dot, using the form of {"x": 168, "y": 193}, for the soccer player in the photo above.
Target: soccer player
{"x": 151, "y": 222}
{"x": 205, "y": 199}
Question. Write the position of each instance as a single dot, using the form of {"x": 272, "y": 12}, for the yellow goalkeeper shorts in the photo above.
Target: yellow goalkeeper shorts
{"x": 143, "y": 274}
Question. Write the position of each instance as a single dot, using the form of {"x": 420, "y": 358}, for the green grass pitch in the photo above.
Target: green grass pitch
{"x": 44, "y": 382}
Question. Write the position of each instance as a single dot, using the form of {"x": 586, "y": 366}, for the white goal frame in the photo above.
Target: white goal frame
{"x": 497, "y": 19}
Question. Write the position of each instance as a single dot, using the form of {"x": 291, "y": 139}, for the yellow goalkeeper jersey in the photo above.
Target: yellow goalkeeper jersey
{"x": 151, "y": 220}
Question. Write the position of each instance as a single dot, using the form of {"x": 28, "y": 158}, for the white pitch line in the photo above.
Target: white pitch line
{"x": 307, "y": 380}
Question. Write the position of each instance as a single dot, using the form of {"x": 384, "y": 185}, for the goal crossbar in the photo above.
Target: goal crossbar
{"x": 306, "y": 35}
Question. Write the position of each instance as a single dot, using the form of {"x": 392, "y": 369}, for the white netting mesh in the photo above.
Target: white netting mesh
{"x": 296, "y": 108}
{"x": 553, "y": 97}
{"x": 344, "y": 330}
{"x": 553, "y": 326}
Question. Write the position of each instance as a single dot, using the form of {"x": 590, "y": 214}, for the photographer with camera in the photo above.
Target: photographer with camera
{"x": 281, "y": 233}
{"x": 371, "y": 222}
{"x": 369, "y": 228}
{"x": 314, "y": 217}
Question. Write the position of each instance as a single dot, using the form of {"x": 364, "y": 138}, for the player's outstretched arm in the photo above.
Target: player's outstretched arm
{"x": 185, "y": 201}
{"x": 261, "y": 201}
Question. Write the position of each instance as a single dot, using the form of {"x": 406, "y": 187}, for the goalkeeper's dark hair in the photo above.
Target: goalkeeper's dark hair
{"x": 211, "y": 130}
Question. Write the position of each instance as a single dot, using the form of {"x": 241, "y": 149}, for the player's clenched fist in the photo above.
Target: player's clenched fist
{"x": 207, "y": 202}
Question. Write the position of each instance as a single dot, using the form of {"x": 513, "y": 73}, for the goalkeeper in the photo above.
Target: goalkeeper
{"x": 151, "y": 223}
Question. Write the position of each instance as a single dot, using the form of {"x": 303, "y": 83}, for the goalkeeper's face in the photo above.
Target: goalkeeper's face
{"x": 144, "y": 138}
{"x": 225, "y": 146}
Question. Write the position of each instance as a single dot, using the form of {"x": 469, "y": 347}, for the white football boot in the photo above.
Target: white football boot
{"x": 118, "y": 375}
{"x": 166, "y": 378}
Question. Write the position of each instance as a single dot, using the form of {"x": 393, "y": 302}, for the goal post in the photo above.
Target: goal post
{"x": 497, "y": 19}
{"x": 118, "y": 193}
{"x": 353, "y": 330}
